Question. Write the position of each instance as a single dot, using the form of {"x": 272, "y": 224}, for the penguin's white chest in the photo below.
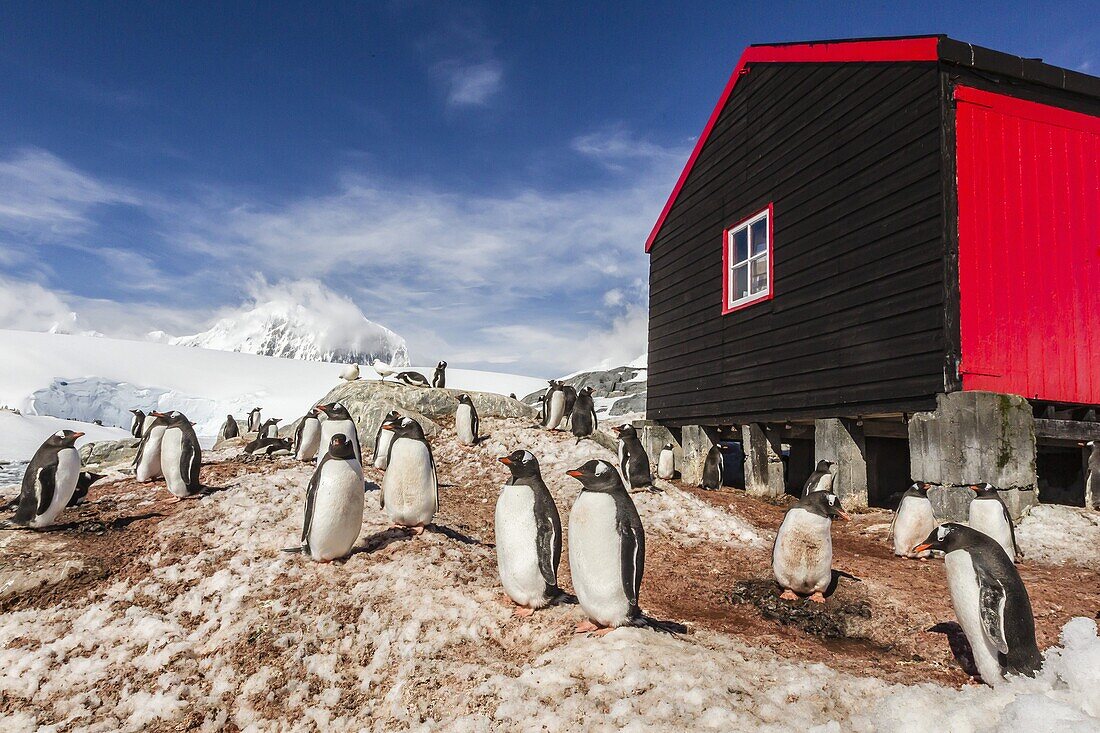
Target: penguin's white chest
{"x": 517, "y": 546}
{"x": 65, "y": 478}
{"x": 171, "y": 455}
{"x": 329, "y": 428}
{"x": 595, "y": 559}
{"x": 988, "y": 516}
{"x": 962, "y": 582}
{"x": 149, "y": 467}
{"x": 464, "y": 424}
{"x": 337, "y": 510}
{"x": 147, "y": 424}
{"x": 381, "y": 456}
{"x": 311, "y": 440}
{"x": 409, "y": 485}
{"x": 912, "y": 525}
{"x": 802, "y": 559}
{"x": 556, "y": 410}
{"x": 666, "y": 464}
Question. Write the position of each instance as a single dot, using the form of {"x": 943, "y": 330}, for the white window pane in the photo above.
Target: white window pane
{"x": 740, "y": 245}
{"x": 740, "y": 282}
{"x": 759, "y": 274}
{"x": 760, "y": 236}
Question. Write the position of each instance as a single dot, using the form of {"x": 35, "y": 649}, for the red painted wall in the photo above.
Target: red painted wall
{"x": 1029, "y": 248}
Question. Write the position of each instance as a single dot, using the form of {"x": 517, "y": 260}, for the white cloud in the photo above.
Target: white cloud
{"x": 471, "y": 84}
{"x": 27, "y": 306}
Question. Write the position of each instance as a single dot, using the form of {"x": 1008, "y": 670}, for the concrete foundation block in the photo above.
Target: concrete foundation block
{"x": 974, "y": 437}
{"x": 696, "y": 442}
{"x": 654, "y": 438}
{"x": 1092, "y": 476}
{"x": 951, "y": 503}
{"x": 841, "y": 441}
{"x": 763, "y": 461}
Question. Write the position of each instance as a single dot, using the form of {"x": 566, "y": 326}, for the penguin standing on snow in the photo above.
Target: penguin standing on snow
{"x": 307, "y": 437}
{"x": 254, "y": 420}
{"x": 606, "y": 549}
{"x": 666, "y": 462}
{"x": 49, "y": 481}
{"x": 439, "y": 379}
{"x": 410, "y": 489}
{"x": 713, "y": 468}
{"x": 555, "y": 405}
{"x": 334, "y": 503}
{"x": 802, "y": 556}
{"x": 990, "y": 601}
{"x": 270, "y": 428}
{"x": 137, "y": 423}
{"x": 989, "y": 514}
{"x": 821, "y": 479}
{"x": 383, "y": 439}
{"x": 82, "y": 485}
{"x": 466, "y": 422}
{"x": 180, "y": 456}
{"x": 583, "y": 421}
{"x": 147, "y": 464}
{"x": 528, "y": 536}
{"x": 230, "y": 429}
{"x": 338, "y": 421}
{"x": 412, "y": 379}
{"x": 633, "y": 460}
{"x": 912, "y": 521}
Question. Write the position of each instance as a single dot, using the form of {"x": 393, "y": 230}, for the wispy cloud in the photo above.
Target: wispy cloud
{"x": 471, "y": 84}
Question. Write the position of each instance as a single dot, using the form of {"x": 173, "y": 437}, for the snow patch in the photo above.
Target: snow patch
{"x": 1055, "y": 534}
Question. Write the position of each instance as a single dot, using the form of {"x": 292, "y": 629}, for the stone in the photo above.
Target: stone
{"x": 109, "y": 453}
{"x": 973, "y": 437}
{"x": 951, "y": 503}
{"x": 1092, "y": 478}
{"x": 763, "y": 461}
{"x": 654, "y": 438}
{"x": 696, "y": 442}
{"x": 841, "y": 441}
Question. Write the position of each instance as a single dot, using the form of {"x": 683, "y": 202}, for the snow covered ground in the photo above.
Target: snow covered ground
{"x": 87, "y": 378}
{"x": 21, "y": 435}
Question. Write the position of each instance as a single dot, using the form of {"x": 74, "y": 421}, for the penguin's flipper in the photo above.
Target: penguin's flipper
{"x": 298, "y": 432}
{"x": 46, "y": 485}
{"x": 991, "y": 605}
{"x": 548, "y": 544}
{"x": 311, "y": 496}
{"x": 476, "y": 426}
{"x": 632, "y": 561}
{"x": 190, "y": 465}
{"x": 1012, "y": 533}
{"x": 140, "y": 450}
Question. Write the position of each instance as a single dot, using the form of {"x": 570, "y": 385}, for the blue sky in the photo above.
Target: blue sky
{"x": 479, "y": 177}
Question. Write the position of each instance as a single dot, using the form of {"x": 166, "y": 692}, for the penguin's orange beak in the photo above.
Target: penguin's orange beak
{"x": 154, "y": 413}
{"x": 78, "y": 434}
{"x": 974, "y": 488}
{"x": 922, "y": 547}
{"x": 844, "y": 515}
{"x": 574, "y": 473}
{"x": 387, "y": 427}
{"x": 505, "y": 460}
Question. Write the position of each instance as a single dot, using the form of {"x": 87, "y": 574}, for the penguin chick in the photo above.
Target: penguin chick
{"x": 802, "y": 556}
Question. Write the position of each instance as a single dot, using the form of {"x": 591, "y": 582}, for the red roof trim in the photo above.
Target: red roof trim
{"x": 904, "y": 49}
{"x": 1034, "y": 111}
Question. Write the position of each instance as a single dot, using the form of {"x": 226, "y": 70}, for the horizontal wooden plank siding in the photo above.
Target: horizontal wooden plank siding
{"x": 850, "y": 157}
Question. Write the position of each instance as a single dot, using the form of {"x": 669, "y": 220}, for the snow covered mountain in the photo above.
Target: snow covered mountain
{"x": 303, "y": 321}
{"x": 619, "y": 392}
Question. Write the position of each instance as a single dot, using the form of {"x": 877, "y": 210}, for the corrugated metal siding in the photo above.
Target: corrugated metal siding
{"x": 1029, "y": 248}
{"x": 850, "y": 155}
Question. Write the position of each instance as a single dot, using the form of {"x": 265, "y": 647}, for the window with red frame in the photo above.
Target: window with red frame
{"x": 748, "y": 261}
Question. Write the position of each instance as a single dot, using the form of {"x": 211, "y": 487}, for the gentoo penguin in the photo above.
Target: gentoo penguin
{"x": 528, "y": 536}
{"x": 254, "y": 420}
{"x": 990, "y": 601}
{"x": 338, "y": 421}
{"x": 989, "y": 514}
{"x": 542, "y": 409}
{"x": 606, "y": 548}
{"x": 583, "y": 421}
{"x": 384, "y": 370}
{"x": 412, "y": 379}
{"x": 713, "y": 468}
{"x": 555, "y": 405}
{"x": 439, "y": 379}
{"x": 633, "y": 460}
{"x": 350, "y": 373}
{"x": 466, "y": 422}
{"x": 82, "y": 485}
{"x": 383, "y": 439}
{"x": 802, "y": 556}
{"x": 146, "y": 424}
{"x": 230, "y": 429}
{"x": 821, "y": 479}
{"x": 666, "y": 462}
{"x": 180, "y": 456}
{"x": 334, "y": 503}
{"x": 49, "y": 481}
{"x": 137, "y": 423}
{"x": 410, "y": 491}
{"x": 270, "y": 446}
{"x": 912, "y": 521}
{"x": 270, "y": 428}
{"x": 147, "y": 463}
{"x": 570, "y": 393}
{"x": 307, "y": 437}
{"x": 512, "y": 396}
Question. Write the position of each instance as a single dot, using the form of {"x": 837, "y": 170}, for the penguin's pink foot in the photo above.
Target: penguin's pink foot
{"x": 788, "y": 595}
{"x": 604, "y": 631}
{"x": 523, "y": 611}
{"x": 417, "y": 530}
{"x": 817, "y": 597}
{"x": 585, "y": 626}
